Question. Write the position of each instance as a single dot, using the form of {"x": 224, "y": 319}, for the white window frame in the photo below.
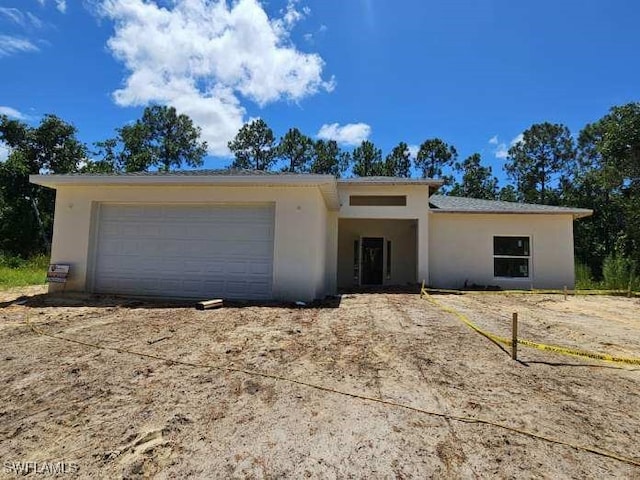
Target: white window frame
{"x": 528, "y": 257}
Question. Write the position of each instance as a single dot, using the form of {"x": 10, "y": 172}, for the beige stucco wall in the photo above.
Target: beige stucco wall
{"x": 401, "y": 233}
{"x": 299, "y": 271}
{"x": 331, "y": 257}
{"x": 417, "y": 208}
{"x": 313, "y": 246}
{"x": 461, "y": 248}
{"x": 318, "y": 251}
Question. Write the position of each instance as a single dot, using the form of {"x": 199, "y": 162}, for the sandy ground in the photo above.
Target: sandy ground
{"x": 116, "y": 415}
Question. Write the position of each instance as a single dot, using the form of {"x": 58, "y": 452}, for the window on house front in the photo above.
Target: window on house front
{"x": 511, "y": 257}
{"x": 378, "y": 200}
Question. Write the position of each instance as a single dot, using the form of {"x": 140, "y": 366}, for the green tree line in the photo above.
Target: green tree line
{"x": 599, "y": 168}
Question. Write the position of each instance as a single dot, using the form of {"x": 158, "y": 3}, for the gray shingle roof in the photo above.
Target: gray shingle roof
{"x": 250, "y": 172}
{"x": 390, "y": 180}
{"x": 188, "y": 173}
{"x": 446, "y": 203}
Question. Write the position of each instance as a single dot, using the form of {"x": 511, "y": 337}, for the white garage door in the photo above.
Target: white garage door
{"x": 197, "y": 251}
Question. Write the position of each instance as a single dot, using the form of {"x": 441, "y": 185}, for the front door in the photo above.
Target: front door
{"x": 372, "y": 261}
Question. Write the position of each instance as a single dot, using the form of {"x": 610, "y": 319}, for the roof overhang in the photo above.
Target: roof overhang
{"x": 325, "y": 183}
{"x": 432, "y": 183}
{"x": 576, "y": 213}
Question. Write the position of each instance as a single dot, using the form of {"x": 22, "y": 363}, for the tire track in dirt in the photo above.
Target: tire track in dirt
{"x": 288, "y": 432}
{"x": 368, "y": 353}
{"x": 404, "y": 318}
{"x": 450, "y": 451}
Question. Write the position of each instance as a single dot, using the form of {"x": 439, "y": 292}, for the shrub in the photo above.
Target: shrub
{"x": 11, "y": 261}
{"x": 620, "y": 273}
{"x": 584, "y": 278}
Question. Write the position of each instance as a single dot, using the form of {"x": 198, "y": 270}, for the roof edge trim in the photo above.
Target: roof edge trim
{"x": 390, "y": 181}
{"x": 325, "y": 183}
{"x": 54, "y": 181}
{"x": 576, "y": 213}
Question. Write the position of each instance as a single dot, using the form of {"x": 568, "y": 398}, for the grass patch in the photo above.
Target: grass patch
{"x": 16, "y": 272}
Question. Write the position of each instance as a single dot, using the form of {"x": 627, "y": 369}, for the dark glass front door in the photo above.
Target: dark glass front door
{"x": 372, "y": 266}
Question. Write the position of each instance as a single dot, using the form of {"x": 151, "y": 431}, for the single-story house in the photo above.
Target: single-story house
{"x": 257, "y": 235}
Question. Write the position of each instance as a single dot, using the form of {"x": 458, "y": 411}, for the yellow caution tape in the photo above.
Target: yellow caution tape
{"x": 528, "y": 343}
{"x": 532, "y": 292}
{"x": 390, "y": 403}
{"x": 580, "y": 353}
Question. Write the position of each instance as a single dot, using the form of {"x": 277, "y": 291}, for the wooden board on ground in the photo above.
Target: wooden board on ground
{"x": 207, "y": 304}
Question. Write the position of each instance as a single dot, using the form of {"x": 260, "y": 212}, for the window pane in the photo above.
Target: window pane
{"x": 512, "y": 246}
{"x": 378, "y": 200}
{"x": 511, "y": 267}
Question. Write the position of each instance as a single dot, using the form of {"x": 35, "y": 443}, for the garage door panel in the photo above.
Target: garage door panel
{"x": 214, "y": 285}
{"x": 259, "y": 268}
{"x": 237, "y": 267}
{"x": 253, "y": 289}
{"x": 131, "y": 229}
{"x": 238, "y": 287}
{"x": 192, "y": 266}
{"x": 153, "y": 211}
{"x": 153, "y": 231}
{"x": 198, "y": 251}
{"x": 243, "y": 250}
{"x": 129, "y": 247}
{"x": 169, "y": 284}
{"x": 121, "y": 212}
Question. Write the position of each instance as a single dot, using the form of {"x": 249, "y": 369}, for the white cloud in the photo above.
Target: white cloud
{"x": 13, "y": 14}
{"x": 14, "y": 44}
{"x": 501, "y": 150}
{"x": 292, "y": 14}
{"x": 4, "y": 151}
{"x": 413, "y": 150}
{"x": 310, "y": 37}
{"x": 61, "y": 5}
{"x": 349, "y": 134}
{"x": 10, "y": 45}
{"x": 12, "y": 113}
{"x": 202, "y": 56}
{"x": 517, "y": 139}
{"x": 35, "y": 21}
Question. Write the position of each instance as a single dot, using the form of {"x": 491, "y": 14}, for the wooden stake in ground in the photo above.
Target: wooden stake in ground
{"x": 514, "y": 336}
{"x": 217, "y": 303}
{"x": 565, "y": 293}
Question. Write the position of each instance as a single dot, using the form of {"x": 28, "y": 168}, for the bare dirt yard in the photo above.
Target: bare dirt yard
{"x": 117, "y": 415}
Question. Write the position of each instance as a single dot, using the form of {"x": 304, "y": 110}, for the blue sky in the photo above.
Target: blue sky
{"x": 475, "y": 73}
